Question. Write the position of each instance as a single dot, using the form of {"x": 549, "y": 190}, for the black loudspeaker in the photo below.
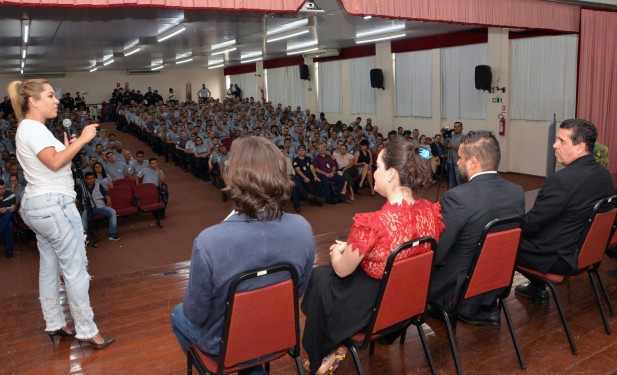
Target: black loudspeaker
{"x": 377, "y": 79}
{"x": 304, "y": 71}
{"x": 484, "y": 77}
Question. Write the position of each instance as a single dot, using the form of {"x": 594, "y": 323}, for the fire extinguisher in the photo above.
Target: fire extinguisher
{"x": 502, "y": 124}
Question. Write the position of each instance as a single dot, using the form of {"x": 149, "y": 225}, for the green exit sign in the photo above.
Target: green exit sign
{"x": 497, "y": 100}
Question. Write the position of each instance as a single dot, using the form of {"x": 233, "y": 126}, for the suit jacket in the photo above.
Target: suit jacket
{"x": 552, "y": 229}
{"x": 466, "y": 210}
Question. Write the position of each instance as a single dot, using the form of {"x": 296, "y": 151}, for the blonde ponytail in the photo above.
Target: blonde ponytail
{"x": 19, "y": 92}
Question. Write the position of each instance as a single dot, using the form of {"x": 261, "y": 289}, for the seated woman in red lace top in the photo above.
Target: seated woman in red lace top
{"x": 340, "y": 296}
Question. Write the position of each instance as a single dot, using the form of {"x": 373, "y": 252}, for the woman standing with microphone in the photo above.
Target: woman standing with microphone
{"x": 48, "y": 208}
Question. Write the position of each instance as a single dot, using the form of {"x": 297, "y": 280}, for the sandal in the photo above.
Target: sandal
{"x": 330, "y": 363}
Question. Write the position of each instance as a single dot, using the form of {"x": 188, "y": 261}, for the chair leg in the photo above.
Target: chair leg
{"x": 189, "y": 362}
{"x": 517, "y": 347}
{"x": 356, "y": 359}
{"x": 157, "y": 218}
{"x": 427, "y": 349}
{"x": 562, "y": 316}
{"x": 267, "y": 367}
{"x": 299, "y": 366}
{"x": 371, "y": 347}
{"x": 590, "y": 273}
{"x": 450, "y": 331}
{"x": 605, "y": 292}
{"x": 403, "y": 336}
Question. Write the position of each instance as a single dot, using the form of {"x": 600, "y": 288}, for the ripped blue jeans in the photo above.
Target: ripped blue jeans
{"x": 61, "y": 242}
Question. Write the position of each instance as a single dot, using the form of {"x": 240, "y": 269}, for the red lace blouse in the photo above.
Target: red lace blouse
{"x": 376, "y": 234}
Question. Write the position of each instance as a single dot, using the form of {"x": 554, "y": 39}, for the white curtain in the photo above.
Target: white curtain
{"x": 544, "y": 77}
{"x": 459, "y": 97}
{"x": 286, "y": 87}
{"x": 362, "y": 94}
{"x": 414, "y": 83}
{"x": 330, "y": 87}
{"x": 247, "y": 83}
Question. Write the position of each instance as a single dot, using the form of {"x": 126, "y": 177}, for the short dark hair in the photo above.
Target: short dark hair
{"x": 413, "y": 170}
{"x": 89, "y": 174}
{"x": 257, "y": 179}
{"x": 484, "y": 146}
{"x": 582, "y": 131}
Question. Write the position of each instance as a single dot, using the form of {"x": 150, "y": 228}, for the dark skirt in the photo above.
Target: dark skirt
{"x": 336, "y": 309}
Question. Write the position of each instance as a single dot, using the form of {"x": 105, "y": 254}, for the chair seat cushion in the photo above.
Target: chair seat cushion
{"x": 126, "y": 211}
{"x": 152, "y": 207}
{"x": 554, "y": 278}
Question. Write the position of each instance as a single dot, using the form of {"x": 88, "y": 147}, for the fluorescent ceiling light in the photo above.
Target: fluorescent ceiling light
{"x": 216, "y": 62}
{"x": 223, "y": 51}
{"x": 21, "y": 71}
{"x": 93, "y": 69}
{"x": 302, "y": 51}
{"x": 171, "y": 32}
{"x": 248, "y": 55}
{"x": 131, "y": 51}
{"x": 251, "y": 60}
{"x": 23, "y": 63}
{"x": 381, "y": 30}
{"x": 310, "y": 43}
{"x": 223, "y": 44}
{"x": 156, "y": 67}
{"x": 107, "y": 62}
{"x": 287, "y": 27}
{"x": 368, "y": 17}
{"x": 25, "y": 30}
{"x": 215, "y": 66}
{"x": 287, "y": 35}
{"x": 24, "y": 51}
{"x": 378, "y": 38}
{"x": 184, "y": 60}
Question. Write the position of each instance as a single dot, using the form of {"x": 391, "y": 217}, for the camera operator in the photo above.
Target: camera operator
{"x": 452, "y": 142}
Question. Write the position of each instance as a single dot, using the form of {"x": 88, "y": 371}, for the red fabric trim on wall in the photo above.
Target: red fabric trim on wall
{"x": 243, "y": 5}
{"x": 441, "y": 41}
{"x": 527, "y": 14}
{"x": 284, "y": 61}
{"x": 240, "y": 69}
{"x": 351, "y": 53}
{"x": 597, "y": 76}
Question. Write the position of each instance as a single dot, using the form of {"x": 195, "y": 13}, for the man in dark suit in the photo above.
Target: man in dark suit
{"x": 553, "y": 228}
{"x": 466, "y": 210}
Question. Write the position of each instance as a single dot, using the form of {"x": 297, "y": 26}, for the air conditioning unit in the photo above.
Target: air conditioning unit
{"x": 142, "y": 71}
{"x": 44, "y": 75}
{"x": 327, "y": 52}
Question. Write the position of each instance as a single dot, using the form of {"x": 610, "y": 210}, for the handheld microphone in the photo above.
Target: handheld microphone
{"x": 67, "y": 127}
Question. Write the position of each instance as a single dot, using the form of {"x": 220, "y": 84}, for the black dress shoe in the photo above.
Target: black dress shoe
{"x": 486, "y": 319}
{"x": 537, "y": 294}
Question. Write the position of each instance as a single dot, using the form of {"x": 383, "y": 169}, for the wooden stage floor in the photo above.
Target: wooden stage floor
{"x": 134, "y": 308}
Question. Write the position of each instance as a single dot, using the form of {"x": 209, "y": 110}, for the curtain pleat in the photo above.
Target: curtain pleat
{"x": 330, "y": 87}
{"x": 362, "y": 94}
{"x": 247, "y": 5}
{"x": 286, "y": 87}
{"x": 597, "y": 79}
{"x": 414, "y": 83}
{"x": 247, "y": 83}
{"x": 531, "y": 14}
{"x": 543, "y": 77}
{"x": 459, "y": 97}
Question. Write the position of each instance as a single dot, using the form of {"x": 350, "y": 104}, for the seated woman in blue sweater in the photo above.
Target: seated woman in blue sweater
{"x": 256, "y": 234}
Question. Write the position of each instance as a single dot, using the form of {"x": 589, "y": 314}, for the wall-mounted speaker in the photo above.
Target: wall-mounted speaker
{"x": 304, "y": 71}
{"x": 377, "y": 79}
{"x": 484, "y": 77}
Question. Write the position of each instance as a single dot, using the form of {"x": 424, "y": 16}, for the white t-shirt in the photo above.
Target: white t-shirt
{"x": 31, "y": 138}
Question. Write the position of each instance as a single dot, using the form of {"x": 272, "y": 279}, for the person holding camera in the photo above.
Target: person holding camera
{"x": 452, "y": 144}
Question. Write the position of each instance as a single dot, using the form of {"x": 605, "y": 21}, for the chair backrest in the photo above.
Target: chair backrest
{"x": 494, "y": 261}
{"x": 262, "y": 321}
{"x": 121, "y": 197}
{"x": 404, "y": 287}
{"x": 125, "y": 182}
{"x": 147, "y": 194}
{"x": 599, "y": 233}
